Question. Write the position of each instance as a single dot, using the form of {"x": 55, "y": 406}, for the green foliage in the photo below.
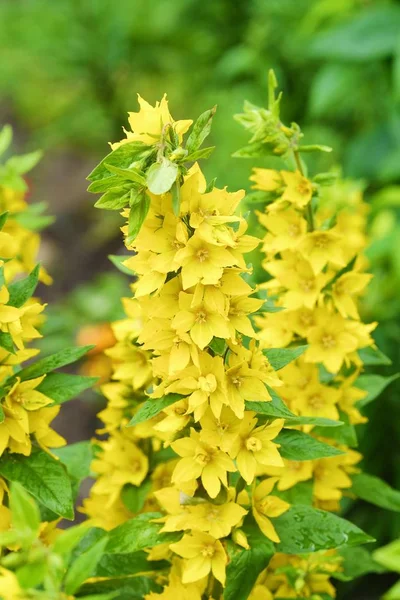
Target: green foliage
{"x": 374, "y": 490}
{"x": 296, "y": 445}
{"x": 151, "y": 408}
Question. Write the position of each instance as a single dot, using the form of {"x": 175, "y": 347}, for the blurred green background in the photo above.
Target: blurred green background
{"x": 70, "y": 71}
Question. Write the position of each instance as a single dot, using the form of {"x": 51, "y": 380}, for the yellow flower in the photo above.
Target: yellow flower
{"x": 318, "y": 400}
{"x": 267, "y": 180}
{"x": 220, "y": 431}
{"x": 239, "y": 309}
{"x": 321, "y": 247}
{"x": 266, "y": 506}
{"x": 9, "y": 586}
{"x": 275, "y": 329}
{"x": 201, "y": 460}
{"x": 203, "y": 554}
{"x": 298, "y": 189}
{"x": 148, "y": 123}
{"x": 291, "y": 473}
{"x": 329, "y": 340}
{"x": 286, "y": 229}
{"x": 349, "y": 285}
{"x": 205, "y": 384}
{"x": 331, "y": 477}
{"x": 253, "y": 446}
{"x": 203, "y": 262}
{"x": 201, "y": 320}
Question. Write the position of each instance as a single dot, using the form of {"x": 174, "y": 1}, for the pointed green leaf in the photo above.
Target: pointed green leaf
{"x": 55, "y": 361}
{"x": 24, "y": 162}
{"x": 77, "y": 459}
{"x": 118, "y": 261}
{"x": 84, "y": 566}
{"x": 131, "y": 174}
{"x": 137, "y": 534}
{"x": 376, "y": 491}
{"x": 43, "y": 477}
{"x": 296, "y": 445}
{"x": 374, "y": 385}
{"x": 151, "y": 408}
{"x": 137, "y": 215}
{"x": 115, "y": 199}
{"x": 304, "y": 529}
{"x": 61, "y": 387}
{"x": 6, "y": 342}
{"x": 25, "y": 516}
{"x": 200, "y": 130}
{"x": 6, "y": 135}
{"x": 23, "y": 289}
{"x": 373, "y": 356}
{"x": 280, "y": 357}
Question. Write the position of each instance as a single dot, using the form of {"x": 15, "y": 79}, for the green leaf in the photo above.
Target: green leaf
{"x": 66, "y": 542}
{"x": 245, "y": 565}
{"x": 23, "y": 289}
{"x": 122, "y": 157}
{"x": 376, "y": 491}
{"x": 389, "y": 556}
{"x": 77, "y": 459}
{"x": 25, "y": 516}
{"x": 3, "y": 219}
{"x": 176, "y": 198}
{"x": 202, "y": 153}
{"x": 200, "y": 130}
{"x": 43, "y": 477}
{"x": 134, "y": 496}
{"x": 357, "y": 562}
{"x": 137, "y": 534}
{"x": 277, "y": 409}
{"x": 280, "y": 357}
{"x": 24, "y": 162}
{"x": 315, "y": 148}
{"x": 6, "y": 342}
{"x": 131, "y": 174}
{"x": 104, "y": 185}
{"x": 304, "y": 529}
{"x": 344, "y": 434}
{"x": 374, "y": 385}
{"x": 61, "y": 387}
{"x": 125, "y": 588}
{"x": 161, "y": 176}
{"x": 118, "y": 261}
{"x": 301, "y": 493}
{"x": 137, "y": 215}
{"x": 6, "y": 135}
{"x": 151, "y": 408}
{"x": 130, "y": 563}
{"x": 114, "y": 199}
{"x": 373, "y": 356}
{"x": 296, "y": 445}
{"x": 54, "y": 361}
{"x": 84, "y": 566}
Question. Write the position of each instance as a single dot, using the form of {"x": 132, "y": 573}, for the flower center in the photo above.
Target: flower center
{"x": 208, "y": 551}
{"x": 307, "y": 284}
{"x": 293, "y": 230}
{"x": 321, "y": 241}
{"x": 201, "y": 316}
{"x": 253, "y": 444}
{"x": 316, "y": 401}
{"x": 328, "y": 341}
{"x": 202, "y": 458}
{"x": 303, "y": 188}
{"x": 202, "y": 254}
{"x": 208, "y": 384}
{"x": 236, "y": 381}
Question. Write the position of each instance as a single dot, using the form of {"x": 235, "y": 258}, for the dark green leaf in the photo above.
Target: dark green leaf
{"x": 43, "y": 477}
{"x": 55, "y": 361}
{"x": 23, "y": 289}
{"x": 304, "y": 529}
{"x": 134, "y": 496}
{"x": 84, "y": 566}
{"x": 3, "y": 216}
{"x": 131, "y": 563}
{"x": 245, "y": 565}
{"x": 357, "y": 562}
{"x": 374, "y": 385}
{"x": 125, "y": 588}
{"x": 301, "y": 493}
{"x": 202, "y": 153}
{"x": 376, "y": 491}
{"x": 61, "y": 387}
{"x": 280, "y": 357}
{"x": 76, "y": 458}
{"x": 296, "y": 445}
{"x": 200, "y": 130}
{"x": 373, "y": 356}
{"x": 6, "y": 342}
{"x": 137, "y": 215}
{"x": 131, "y": 174}
{"x": 137, "y": 534}
{"x": 151, "y": 408}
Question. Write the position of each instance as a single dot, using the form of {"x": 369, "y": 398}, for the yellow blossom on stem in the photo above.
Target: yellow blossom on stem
{"x": 266, "y": 506}
{"x": 203, "y": 554}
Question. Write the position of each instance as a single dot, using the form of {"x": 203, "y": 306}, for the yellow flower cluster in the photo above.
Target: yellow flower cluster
{"x": 188, "y": 343}
{"x": 25, "y": 411}
{"x": 316, "y": 267}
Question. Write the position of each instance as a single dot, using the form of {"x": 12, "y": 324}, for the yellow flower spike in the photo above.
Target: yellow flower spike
{"x": 203, "y": 554}
{"x": 254, "y": 446}
{"x": 322, "y": 247}
{"x": 266, "y": 506}
{"x": 201, "y": 460}
{"x": 148, "y": 123}
{"x": 221, "y": 431}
